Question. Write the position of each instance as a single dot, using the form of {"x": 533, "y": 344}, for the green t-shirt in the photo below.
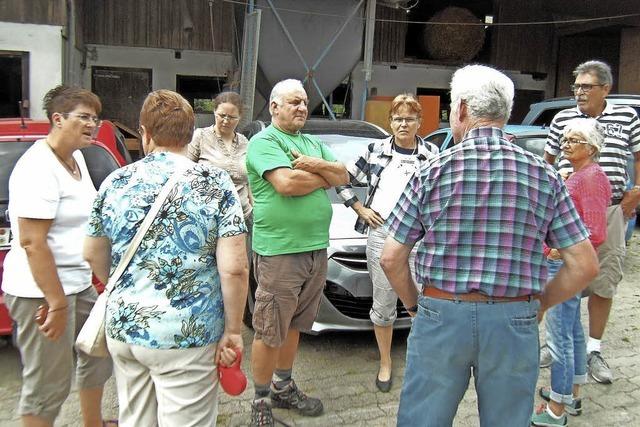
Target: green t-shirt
{"x": 286, "y": 224}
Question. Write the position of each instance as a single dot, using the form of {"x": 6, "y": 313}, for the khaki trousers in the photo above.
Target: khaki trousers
{"x": 174, "y": 387}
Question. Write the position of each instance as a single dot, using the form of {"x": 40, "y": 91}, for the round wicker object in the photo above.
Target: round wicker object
{"x": 454, "y": 42}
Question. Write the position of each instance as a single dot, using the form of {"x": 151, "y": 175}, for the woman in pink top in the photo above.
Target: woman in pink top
{"x": 591, "y": 192}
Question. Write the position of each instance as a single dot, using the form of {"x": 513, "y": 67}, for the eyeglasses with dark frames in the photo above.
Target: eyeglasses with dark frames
{"x": 585, "y": 87}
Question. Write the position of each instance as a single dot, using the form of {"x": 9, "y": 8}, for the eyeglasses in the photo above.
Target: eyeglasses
{"x": 565, "y": 140}
{"x": 227, "y": 117}
{"x": 86, "y": 118}
{"x": 586, "y": 87}
{"x": 407, "y": 120}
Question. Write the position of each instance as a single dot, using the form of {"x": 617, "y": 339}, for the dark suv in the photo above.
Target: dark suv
{"x": 542, "y": 113}
{"x": 106, "y": 154}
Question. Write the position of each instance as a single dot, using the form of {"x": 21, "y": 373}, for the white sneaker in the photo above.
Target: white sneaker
{"x": 545, "y": 356}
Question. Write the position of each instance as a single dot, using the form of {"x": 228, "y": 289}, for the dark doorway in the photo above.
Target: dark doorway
{"x": 340, "y": 102}
{"x": 200, "y": 91}
{"x": 14, "y": 74}
{"x": 122, "y": 92}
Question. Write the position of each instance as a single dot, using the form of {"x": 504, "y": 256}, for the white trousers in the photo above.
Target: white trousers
{"x": 173, "y": 388}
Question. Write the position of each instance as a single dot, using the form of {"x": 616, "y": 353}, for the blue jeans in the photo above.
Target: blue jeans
{"x": 449, "y": 341}
{"x": 565, "y": 338}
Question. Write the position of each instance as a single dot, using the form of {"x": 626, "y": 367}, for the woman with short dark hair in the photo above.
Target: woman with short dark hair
{"x": 50, "y": 196}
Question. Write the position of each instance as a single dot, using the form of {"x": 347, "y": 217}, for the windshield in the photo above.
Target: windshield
{"x": 346, "y": 149}
{"x": 10, "y": 152}
{"x": 534, "y": 144}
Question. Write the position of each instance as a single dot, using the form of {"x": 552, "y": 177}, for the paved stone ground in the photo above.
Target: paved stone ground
{"x": 340, "y": 369}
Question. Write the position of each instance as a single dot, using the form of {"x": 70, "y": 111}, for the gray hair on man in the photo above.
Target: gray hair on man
{"x": 283, "y": 88}
{"x": 486, "y": 92}
{"x": 590, "y": 129}
{"x": 599, "y": 69}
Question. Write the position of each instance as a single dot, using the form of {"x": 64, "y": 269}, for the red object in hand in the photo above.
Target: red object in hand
{"x": 232, "y": 379}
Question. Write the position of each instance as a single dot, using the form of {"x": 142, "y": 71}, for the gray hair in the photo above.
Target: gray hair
{"x": 486, "y": 92}
{"x": 601, "y": 70}
{"x": 590, "y": 129}
{"x": 283, "y": 88}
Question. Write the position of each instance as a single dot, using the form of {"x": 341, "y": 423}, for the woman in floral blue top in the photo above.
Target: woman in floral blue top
{"x": 176, "y": 310}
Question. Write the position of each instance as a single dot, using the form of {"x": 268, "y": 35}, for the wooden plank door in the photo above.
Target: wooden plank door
{"x": 122, "y": 92}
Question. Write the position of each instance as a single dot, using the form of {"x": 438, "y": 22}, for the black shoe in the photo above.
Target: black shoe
{"x": 291, "y": 397}
{"x": 384, "y": 386}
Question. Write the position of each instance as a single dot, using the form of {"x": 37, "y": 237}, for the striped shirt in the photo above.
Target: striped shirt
{"x": 367, "y": 168}
{"x": 482, "y": 211}
{"x": 622, "y": 137}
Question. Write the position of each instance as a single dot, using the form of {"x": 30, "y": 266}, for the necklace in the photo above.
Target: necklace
{"x": 73, "y": 170}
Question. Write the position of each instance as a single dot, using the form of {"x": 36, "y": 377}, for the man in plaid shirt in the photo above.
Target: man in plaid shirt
{"x": 481, "y": 212}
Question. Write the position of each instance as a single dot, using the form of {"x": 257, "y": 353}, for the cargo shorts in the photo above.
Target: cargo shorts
{"x": 611, "y": 255}
{"x": 288, "y": 294}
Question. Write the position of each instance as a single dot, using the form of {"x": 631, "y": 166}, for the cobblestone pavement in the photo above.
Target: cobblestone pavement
{"x": 340, "y": 369}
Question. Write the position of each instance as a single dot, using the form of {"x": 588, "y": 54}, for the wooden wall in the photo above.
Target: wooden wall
{"x": 525, "y": 48}
{"x": 49, "y": 12}
{"x": 629, "y": 74}
{"x": 575, "y": 49}
{"x": 389, "y": 37}
{"x": 159, "y": 24}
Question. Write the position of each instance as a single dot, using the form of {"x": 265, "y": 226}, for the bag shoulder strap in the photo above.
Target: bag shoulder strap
{"x": 146, "y": 223}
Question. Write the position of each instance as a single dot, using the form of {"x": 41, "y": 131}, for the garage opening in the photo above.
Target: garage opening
{"x": 14, "y": 75}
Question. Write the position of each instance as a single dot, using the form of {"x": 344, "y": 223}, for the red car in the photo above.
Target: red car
{"x": 107, "y": 153}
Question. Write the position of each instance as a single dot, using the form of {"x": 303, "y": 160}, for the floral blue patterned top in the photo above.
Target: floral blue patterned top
{"x": 169, "y": 296}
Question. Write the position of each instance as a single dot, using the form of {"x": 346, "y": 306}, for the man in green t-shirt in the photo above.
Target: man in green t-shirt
{"x": 288, "y": 175}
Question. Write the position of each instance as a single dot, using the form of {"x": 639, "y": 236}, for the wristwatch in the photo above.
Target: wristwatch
{"x": 413, "y": 309}
{"x": 635, "y": 187}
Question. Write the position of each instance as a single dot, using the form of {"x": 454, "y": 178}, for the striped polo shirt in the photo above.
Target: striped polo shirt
{"x": 622, "y": 137}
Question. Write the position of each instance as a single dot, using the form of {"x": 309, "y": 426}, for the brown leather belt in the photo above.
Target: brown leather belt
{"x": 472, "y": 297}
